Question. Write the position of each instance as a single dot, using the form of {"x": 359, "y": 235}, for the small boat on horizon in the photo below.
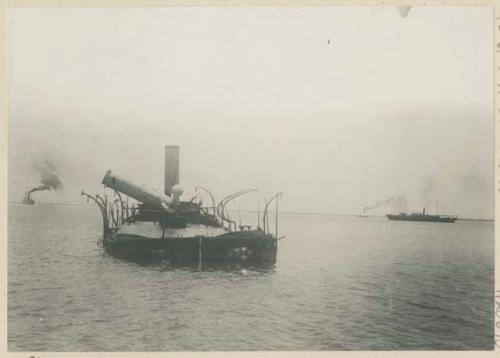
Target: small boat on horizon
{"x": 27, "y": 200}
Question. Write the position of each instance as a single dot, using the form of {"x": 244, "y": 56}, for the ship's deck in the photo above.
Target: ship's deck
{"x": 154, "y": 231}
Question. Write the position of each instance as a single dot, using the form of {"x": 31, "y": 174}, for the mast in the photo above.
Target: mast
{"x": 258, "y": 214}
{"x": 276, "y": 218}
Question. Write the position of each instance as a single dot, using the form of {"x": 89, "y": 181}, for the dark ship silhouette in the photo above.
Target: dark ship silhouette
{"x": 163, "y": 226}
{"x": 27, "y": 200}
{"x": 423, "y": 217}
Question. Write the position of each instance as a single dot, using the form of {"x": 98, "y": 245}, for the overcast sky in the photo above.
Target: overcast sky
{"x": 336, "y": 107}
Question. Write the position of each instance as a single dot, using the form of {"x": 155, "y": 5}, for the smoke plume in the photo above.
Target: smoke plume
{"x": 49, "y": 179}
{"x": 397, "y": 200}
{"x": 460, "y": 188}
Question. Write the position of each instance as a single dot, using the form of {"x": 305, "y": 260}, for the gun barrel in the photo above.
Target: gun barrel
{"x": 148, "y": 197}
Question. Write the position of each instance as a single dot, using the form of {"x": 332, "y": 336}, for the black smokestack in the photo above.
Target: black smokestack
{"x": 171, "y": 167}
{"x": 49, "y": 180}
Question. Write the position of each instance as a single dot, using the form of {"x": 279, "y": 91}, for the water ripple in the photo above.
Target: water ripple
{"x": 340, "y": 283}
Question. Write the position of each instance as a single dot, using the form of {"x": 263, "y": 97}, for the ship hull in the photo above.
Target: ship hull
{"x": 422, "y": 218}
{"x": 241, "y": 246}
{"x": 28, "y": 201}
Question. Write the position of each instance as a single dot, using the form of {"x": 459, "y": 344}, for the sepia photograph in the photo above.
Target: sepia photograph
{"x": 250, "y": 178}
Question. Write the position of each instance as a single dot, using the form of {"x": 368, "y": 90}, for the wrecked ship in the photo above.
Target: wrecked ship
{"x": 164, "y": 226}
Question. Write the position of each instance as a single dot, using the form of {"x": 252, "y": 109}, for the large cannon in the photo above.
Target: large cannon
{"x": 148, "y": 197}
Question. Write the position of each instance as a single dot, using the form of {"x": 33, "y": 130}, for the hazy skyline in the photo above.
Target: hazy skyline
{"x": 337, "y": 107}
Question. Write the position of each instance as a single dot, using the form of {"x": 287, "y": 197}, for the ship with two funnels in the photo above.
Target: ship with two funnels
{"x": 163, "y": 225}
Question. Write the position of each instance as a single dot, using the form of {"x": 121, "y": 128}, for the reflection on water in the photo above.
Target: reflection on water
{"x": 339, "y": 283}
{"x": 223, "y": 266}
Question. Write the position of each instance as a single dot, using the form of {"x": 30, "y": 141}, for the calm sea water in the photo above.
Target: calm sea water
{"x": 340, "y": 283}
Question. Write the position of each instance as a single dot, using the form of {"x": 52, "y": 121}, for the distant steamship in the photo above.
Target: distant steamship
{"x": 423, "y": 217}
{"x": 27, "y": 200}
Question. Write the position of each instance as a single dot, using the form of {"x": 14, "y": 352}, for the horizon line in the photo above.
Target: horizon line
{"x": 255, "y": 211}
